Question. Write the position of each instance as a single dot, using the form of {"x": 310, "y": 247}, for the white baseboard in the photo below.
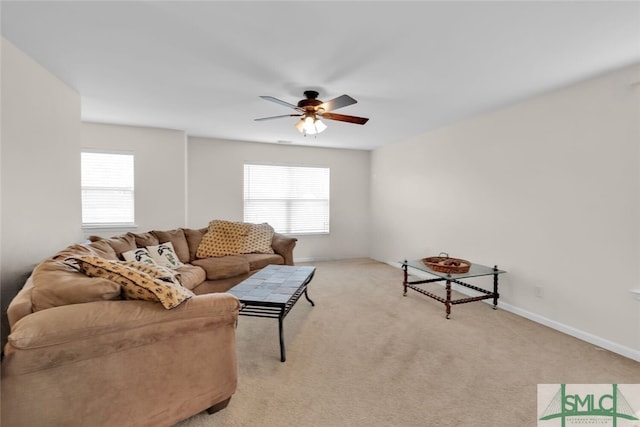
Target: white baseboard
{"x": 569, "y": 330}
{"x": 577, "y": 333}
{"x": 311, "y": 259}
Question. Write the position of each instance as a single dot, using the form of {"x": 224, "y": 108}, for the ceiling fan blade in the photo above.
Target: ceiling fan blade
{"x": 343, "y": 118}
{"x": 277, "y": 117}
{"x": 339, "y": 102}
{"x": 279, "y": 101}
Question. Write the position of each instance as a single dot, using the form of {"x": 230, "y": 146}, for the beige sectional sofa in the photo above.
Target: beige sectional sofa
{"x": 81, "y": 354}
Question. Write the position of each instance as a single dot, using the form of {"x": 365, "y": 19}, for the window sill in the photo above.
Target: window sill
{"x": 306, "y": 234}
{"x": 109, "y": 226}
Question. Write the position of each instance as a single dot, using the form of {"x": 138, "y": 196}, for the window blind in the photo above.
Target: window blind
{"x": 292, "y": 199}
{"x": 107, "y": 189}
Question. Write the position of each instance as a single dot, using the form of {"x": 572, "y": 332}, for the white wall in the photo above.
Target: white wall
{"x": 159, "y": 172}
{"x": 548, "y": 189}
{"x": 215, "y": 188}
{"x": 40, "y": 168}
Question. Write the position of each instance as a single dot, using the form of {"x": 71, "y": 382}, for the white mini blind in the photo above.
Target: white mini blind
{"x": 292, "y": 199}
{"x": 107, "y": 189}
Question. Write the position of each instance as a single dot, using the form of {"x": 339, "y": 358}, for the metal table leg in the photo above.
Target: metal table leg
{"x": 283, "y": 355}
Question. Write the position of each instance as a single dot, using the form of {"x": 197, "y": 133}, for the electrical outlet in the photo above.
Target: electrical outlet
{"x": 539, "y": 291}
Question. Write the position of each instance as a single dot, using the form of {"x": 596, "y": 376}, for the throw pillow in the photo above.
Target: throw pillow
{"x": 258, "y": 239}
{"x": 223, "y": 238}
{"x": 140, "y": 255}
{"x": 164, "y": 254}
{"x": 177, "y": 239}
{"x": 135, "y": 283}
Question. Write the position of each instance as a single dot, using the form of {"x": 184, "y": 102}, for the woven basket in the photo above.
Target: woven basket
{"x": 445, "y": 264}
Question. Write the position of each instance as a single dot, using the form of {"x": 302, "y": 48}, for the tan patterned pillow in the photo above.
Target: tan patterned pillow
{"x": 223, "y": 238}
{"x": 258, "y": 240}
{"x": 136, "y": 284}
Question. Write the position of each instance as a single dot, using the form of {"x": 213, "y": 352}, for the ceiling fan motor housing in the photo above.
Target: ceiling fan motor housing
{"x": 311, "y": 102}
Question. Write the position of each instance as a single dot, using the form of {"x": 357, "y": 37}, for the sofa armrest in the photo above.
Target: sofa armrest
{"x": 93, "y": 320}
{"x": 109, "y": 363}
{"x": 20, "y": 306}
{"x": 283, "y": 245}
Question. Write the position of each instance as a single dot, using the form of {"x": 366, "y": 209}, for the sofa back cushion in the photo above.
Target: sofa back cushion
{"x": 194, "y": 237}
{"x": 102, "y": 248}
{"x": 120, "y": 244}
{"x": 145, "y": 239}
{"x": 56, "y": 283}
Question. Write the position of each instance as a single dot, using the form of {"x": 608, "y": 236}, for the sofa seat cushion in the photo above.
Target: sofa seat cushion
{"x": 258, "y": 261}
{"x": 223, "y": 267}
{"x": 191, "y": 275}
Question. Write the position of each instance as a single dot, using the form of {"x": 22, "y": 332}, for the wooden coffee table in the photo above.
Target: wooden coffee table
{"x": 272, "y": 292}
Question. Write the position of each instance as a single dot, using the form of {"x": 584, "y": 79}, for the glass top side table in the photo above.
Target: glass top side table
{"x": 475, "y": 270}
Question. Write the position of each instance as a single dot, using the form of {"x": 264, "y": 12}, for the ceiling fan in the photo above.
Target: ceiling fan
{"x": 311, "y": 110}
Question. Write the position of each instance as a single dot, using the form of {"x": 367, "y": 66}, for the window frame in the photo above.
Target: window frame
{"x": 327, "y": 231}
{"x": 111, "y": 224}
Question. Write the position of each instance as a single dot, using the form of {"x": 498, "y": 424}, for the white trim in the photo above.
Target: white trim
{"x": 110, "y": 225}
{"x": 569, "y": 330}
{"x": 294, "y": 164}
{"x": 186, "y": 179}
{"x": 312, "y": 259}
{"x": 577, "y": 333}
{"x": 107, "y": 151}
{"x": 636, "y": 293}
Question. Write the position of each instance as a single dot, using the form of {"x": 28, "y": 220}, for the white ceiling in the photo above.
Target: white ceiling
{"x": 413, "y": 66}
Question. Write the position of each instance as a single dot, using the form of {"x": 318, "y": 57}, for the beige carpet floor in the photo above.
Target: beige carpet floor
{"x": 367, "y": 356}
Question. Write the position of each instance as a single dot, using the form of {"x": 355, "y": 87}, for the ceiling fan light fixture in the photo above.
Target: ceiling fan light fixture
{"x": 319, "y": 125}
{"x": 309, "y": 125}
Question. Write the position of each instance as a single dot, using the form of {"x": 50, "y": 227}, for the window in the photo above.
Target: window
{"x": 107, "y": 189}
{"x": 292, "y": 199}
